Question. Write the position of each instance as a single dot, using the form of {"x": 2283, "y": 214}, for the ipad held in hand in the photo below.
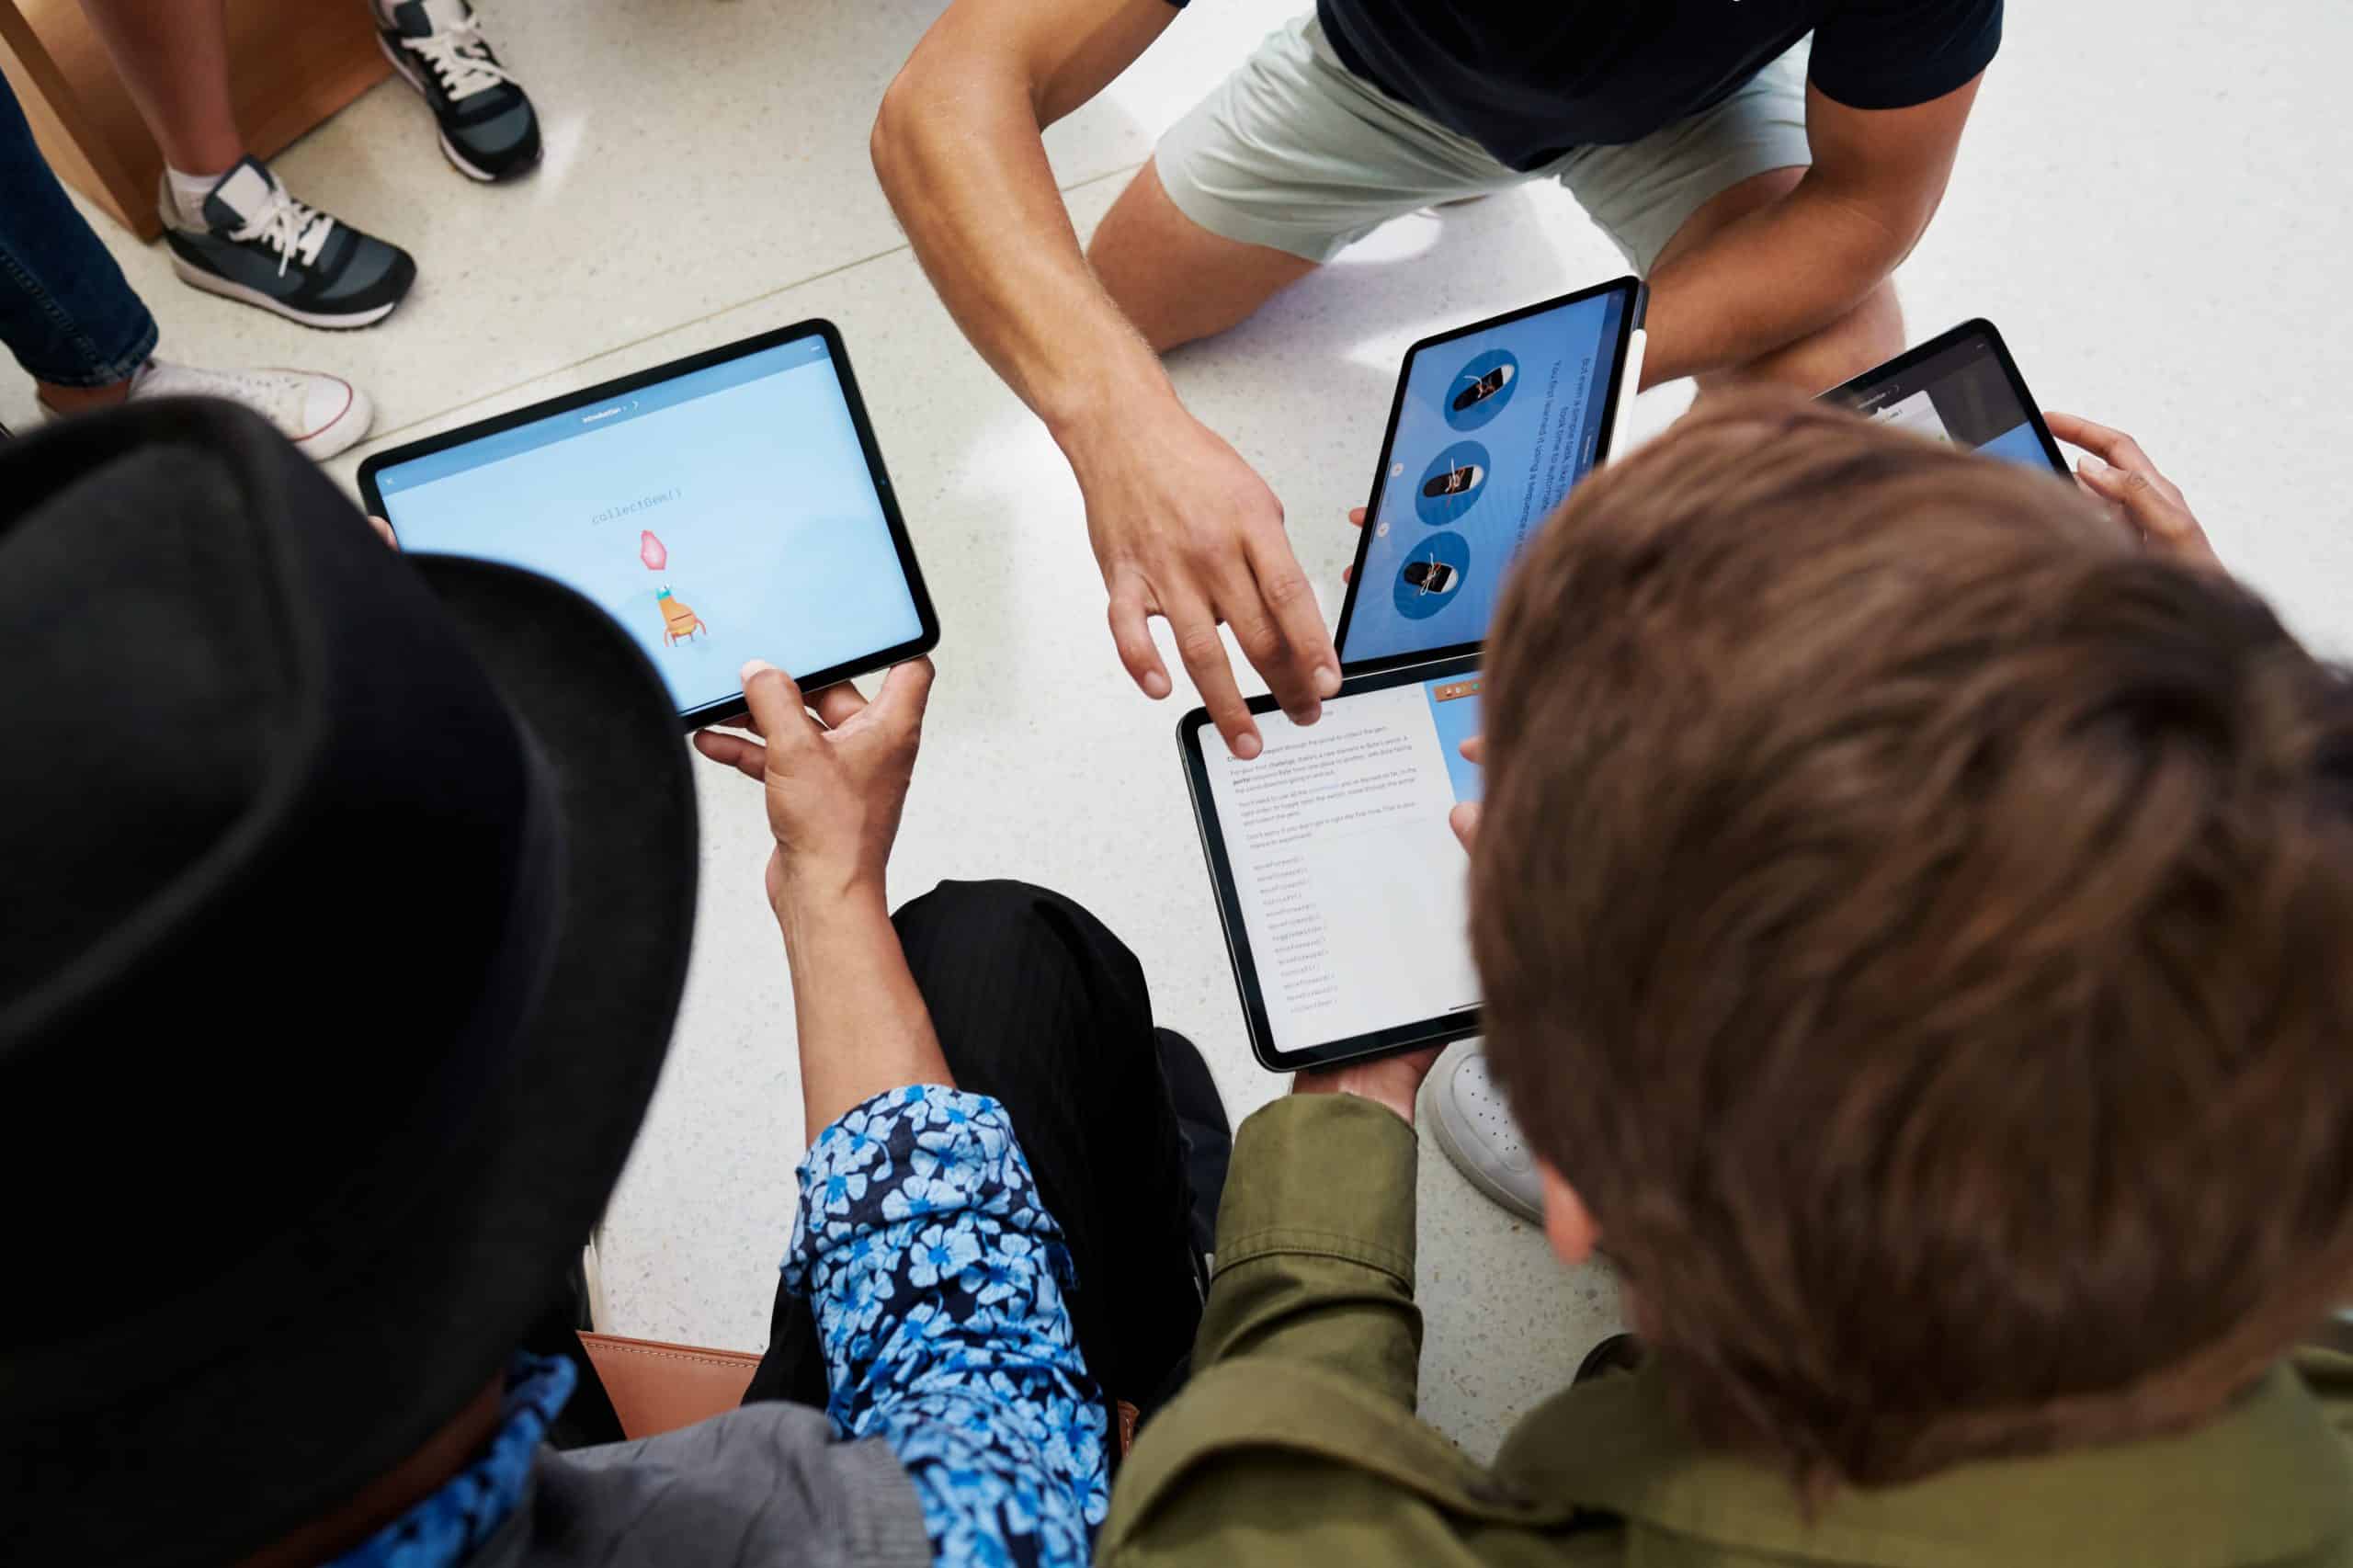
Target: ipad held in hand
{"x": 1338, "y": 876}
{"x": 1960, "y": 386}
{"x": 1493, "y": 425}
{"x": 724, "y": 507}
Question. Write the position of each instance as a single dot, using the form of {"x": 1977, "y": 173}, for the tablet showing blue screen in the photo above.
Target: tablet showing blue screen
{"x": 1492, "y": 428}
{"x": 727, "y": 507}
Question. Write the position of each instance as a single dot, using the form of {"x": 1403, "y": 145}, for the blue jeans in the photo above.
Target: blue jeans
{"x": 66, "y": 311}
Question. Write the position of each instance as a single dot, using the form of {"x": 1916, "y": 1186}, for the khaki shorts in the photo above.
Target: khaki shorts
{"x": 1297, "y": 152}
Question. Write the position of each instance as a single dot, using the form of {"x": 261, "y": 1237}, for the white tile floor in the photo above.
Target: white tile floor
{"x": 2151, "y": 203}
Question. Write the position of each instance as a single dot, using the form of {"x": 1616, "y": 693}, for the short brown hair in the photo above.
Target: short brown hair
{"x": 1920, "y": 922}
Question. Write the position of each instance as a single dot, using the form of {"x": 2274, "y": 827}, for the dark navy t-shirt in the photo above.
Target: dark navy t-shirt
{"x": 1530, "y": 80}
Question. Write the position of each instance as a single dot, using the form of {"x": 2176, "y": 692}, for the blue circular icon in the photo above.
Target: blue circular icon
{"x": 1452, "y": 484}
{"x": 1432, "y": 574}
{"x": 1481, "y": 389}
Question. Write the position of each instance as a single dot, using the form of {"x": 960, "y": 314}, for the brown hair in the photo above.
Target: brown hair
{"x": 1919, "y": 922}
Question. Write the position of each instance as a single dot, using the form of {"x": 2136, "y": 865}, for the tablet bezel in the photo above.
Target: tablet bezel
{"x": 1381, "y": 1042}
{"x": 1850, "y": 393}
{"x": 1637, "y": 298}
{"x": 928, "y": 619}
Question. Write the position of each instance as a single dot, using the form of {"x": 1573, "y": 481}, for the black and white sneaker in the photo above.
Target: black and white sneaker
{"x": 488, "y": 129}
{"x": 260, "y": 245}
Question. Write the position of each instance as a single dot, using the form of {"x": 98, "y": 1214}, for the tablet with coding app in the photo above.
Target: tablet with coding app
{"x": 1339, "y": 879}
{"x": 726, "y": 507}
{"x": 1492, "y": 427}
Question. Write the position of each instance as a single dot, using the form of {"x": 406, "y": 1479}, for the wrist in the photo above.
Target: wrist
{"x": 1391, "y": 1097}
{"x": 1095, "y": 412}
{"x": 809, "y": 896}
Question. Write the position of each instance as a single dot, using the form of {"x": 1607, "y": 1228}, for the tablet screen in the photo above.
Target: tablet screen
{"x": 1491, "y": 428}
{"x": 1962, "y": 388}
{"x": 725, "y": 513}
{"x": 1336, "y": 863}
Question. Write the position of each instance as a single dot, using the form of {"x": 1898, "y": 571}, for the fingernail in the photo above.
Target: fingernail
{"x": 1327, "y": 681}
{"x": 1246, "y": 746}
{"x": 1155, "y": 686}
{"x": 2089, "y": 464}
{"x": 752, "y": 667}
{"x": 1308, "y": 715}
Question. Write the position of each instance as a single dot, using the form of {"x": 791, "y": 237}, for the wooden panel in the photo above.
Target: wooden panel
{"x": 76, "y": 145}
{"x": 292, "y": 63}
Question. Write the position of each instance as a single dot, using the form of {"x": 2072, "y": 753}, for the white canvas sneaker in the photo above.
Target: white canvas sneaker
{"x": 321, "y": 414}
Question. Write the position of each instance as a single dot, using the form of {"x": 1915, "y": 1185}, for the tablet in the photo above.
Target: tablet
{"x": 1491, "y": 425}
{"x": 1962, "y": 387}
{"x": 1340, "y": 882}
{"x": 724, "y": 507}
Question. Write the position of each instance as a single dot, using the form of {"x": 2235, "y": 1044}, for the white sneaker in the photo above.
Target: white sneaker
{"x": 1467, "y": 1115}
{"x": 321, "y": 414}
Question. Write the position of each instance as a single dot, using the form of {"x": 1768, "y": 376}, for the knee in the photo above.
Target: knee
{"x": 998, "y": 927}
{"x": 974, "y": 911}
{"x": 1871, "y": 334}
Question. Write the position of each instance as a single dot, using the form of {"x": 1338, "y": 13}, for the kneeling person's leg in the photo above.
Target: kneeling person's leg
{"x": 1288, "y": 161}
{"x": 1038, "y": 1005}
{"x": 1658, "y": 197}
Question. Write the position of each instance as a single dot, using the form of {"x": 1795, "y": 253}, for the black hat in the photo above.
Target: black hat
{"x": 348, "y": 906}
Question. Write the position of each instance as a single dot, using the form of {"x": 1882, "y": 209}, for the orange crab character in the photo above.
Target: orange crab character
{"x": 678, "y": 623}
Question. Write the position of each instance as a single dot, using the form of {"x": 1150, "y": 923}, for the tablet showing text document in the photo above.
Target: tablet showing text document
{"x": 1338, "y": 876}
{"x": 727, "y": 507}
{"x": 1491, "y": 425}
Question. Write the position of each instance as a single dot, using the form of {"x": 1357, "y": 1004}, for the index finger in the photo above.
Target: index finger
{"x": 1307, "y": 657}
{"x": 837, "y": 704}
{"x": 1203, "y": 651}
{"x": 906, "y": 692}
{"x": 1474, "y": 750}
{"x": 2115, "y": 446}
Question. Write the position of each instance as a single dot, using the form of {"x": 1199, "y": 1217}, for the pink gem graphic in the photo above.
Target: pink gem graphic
{"x": 650, "y": 550}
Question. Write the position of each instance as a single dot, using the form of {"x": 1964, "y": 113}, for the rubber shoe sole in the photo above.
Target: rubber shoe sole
{"x": 343, "y": 321}
{"x": 448, "y": 148}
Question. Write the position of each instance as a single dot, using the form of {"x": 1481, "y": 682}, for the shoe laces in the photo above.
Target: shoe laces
{"x": 460, "y": 56}
{"x": 291, "y": 228}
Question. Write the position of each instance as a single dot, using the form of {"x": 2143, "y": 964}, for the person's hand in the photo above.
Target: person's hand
{"x": 2119, "y": 472}
{"x": 384, "y": 531}
{"x": 1391, "y": 1081}
{"x": 1184, "y": 530}
{"x": 837, "y": 783}
{"x": 1464, "y": 817}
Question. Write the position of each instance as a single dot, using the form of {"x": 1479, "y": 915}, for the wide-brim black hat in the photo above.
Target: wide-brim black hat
{"x": 350, "y": 910}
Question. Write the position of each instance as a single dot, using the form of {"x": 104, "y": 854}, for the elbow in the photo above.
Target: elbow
{"x": 890, "y": 145}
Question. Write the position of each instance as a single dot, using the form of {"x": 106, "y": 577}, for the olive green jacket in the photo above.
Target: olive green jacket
{"x": 1296, "y": 1441}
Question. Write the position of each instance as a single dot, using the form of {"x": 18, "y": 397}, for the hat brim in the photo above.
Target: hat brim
{"x": 390, "y": 1354}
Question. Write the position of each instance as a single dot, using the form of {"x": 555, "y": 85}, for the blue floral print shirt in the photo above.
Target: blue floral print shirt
{"x": 938, "y": 1280}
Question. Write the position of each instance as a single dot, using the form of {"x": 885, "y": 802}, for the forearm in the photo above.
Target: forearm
{"x": 957, "y": 149}
{"x": 946, "y": 1330}
{"x": 1773, "y": 275}
{"x": 1315, "y": 1246}
{"x": 863, "y": 1025}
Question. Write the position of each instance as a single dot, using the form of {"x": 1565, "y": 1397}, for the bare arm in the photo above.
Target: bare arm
{"x": 957, "y": 147}
{"x": 1791, "y": 268}
{"x": 1180, "y": 525}
{"x": 835, "y": 786}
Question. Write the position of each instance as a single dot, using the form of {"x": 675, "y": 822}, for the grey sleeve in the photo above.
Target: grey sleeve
{"x": 766, "y": 1484}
